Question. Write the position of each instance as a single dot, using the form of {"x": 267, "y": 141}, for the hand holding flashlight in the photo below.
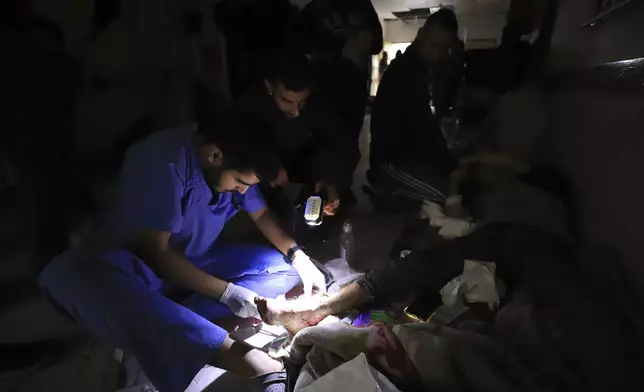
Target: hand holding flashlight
{"x": 332, "y": 198}
{"x": 281, "y": 180}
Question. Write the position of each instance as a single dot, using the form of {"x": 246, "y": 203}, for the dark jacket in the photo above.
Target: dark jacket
{"x": 313, "y": 146}
{"x": 344, "y": 85}
{"x": 402, "y": 125}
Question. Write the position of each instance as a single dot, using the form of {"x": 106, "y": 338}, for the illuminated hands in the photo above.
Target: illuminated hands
{"x": 309, "y": 273}
{"x": 332, "y": 197}
{"x": 281, "y": 180}
{"x": 240, "y": 300}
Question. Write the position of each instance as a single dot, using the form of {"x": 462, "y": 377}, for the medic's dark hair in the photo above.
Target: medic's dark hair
{"x": 445, "y": 19}
{"x": 291, "y": 68}
{"x": 242, "y": 138}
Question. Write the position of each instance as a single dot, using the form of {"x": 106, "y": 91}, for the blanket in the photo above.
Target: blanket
{"x": 509, "y": 356}
{"x": 320, "y": 349}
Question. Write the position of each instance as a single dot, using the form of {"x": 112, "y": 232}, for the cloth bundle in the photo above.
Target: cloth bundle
{"x": 412, "y": 356}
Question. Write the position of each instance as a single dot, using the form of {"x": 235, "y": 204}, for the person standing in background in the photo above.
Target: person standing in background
{"x": 340, "y": 38}
{"x": 409, "y": 154}
{"x": 384, "y": 63}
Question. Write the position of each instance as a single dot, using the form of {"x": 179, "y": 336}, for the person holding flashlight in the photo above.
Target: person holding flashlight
{"x": 313, "y": 145}
{"x": 176, "y": 191}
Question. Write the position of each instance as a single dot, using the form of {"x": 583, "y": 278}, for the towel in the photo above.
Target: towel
{"x": 448, "y": 227}
{"x": 322, "y": 348}
{"x": 356, "y": 376}
{"x": 413, "y": 355}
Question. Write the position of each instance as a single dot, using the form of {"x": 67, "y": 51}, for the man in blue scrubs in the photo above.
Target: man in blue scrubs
{"x": 176, "y": 190}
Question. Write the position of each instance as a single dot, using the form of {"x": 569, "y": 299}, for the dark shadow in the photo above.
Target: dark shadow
{"x": 230, "y": 383}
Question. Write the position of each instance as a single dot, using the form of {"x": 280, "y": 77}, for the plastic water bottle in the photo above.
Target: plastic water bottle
{"x": 346, "y": 242}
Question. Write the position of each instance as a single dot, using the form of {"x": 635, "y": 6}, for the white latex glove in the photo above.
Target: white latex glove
{"x": 240, "y": 300}
{"x": 309, "y": 273}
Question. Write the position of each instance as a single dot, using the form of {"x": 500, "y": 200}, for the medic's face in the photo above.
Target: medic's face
{"x": 220, "y": 179}
{"x": 236, "y": 181}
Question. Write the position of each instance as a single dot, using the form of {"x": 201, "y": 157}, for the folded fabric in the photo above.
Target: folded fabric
{"x": 448, "y": 227}
{"x": 320, "y": 349}
{"x": 476, "y": 284}
{"x": 442, "y": 358}
{"x": 450, "y": 359}
{"x": 354, "y": 375}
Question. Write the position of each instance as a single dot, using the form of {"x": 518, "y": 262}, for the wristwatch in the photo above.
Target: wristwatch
{"x": 291, "y": 252}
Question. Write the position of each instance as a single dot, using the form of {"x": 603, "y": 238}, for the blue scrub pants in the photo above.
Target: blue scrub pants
{"x": 120, "y": 300}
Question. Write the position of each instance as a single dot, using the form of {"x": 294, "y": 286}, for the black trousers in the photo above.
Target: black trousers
{"x": 522, "y": 256}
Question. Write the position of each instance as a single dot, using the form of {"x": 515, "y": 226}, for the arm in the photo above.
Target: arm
{"x": 149, "y": 211}
{"x": 270, "y": 228}
{"x": 309, "y": 273}
{"x": 152, "y": 247}
{"x": 453, "y": 203}
{"x": 334, "y": 159}
{"x": 483, "y": 158}
{"x": 255, "y": 206}
{"x": 336, "y": 152}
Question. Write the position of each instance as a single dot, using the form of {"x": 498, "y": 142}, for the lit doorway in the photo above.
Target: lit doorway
{"x": 392, "y": 51}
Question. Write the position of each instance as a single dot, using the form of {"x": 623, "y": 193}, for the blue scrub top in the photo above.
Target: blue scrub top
{"x": 161, "y": 187}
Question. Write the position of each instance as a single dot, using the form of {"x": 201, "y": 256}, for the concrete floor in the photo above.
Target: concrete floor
{"x": 90, "y": 365}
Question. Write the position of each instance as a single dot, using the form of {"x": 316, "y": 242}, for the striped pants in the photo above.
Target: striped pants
{"x": 417, "y": 182}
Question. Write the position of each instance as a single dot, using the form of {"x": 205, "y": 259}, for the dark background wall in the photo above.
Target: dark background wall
{"x": 617, "y": 37}
{"x": 597, "y": 132}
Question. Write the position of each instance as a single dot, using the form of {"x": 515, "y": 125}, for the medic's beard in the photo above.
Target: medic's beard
{"x": 213, "y": 176}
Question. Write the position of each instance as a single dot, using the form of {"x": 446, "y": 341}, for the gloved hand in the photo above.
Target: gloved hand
{"x": 309, "y": 273}
{"x": 240, "y": 300}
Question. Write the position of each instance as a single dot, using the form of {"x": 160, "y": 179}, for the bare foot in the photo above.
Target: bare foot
{"x": 293, "y": 315}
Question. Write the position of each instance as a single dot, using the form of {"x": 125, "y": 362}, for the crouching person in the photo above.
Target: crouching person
{"x": 176, "y": 191}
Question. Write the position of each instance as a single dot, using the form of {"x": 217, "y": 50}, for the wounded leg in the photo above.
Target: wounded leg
{"x": 305, "y": 312}
{"x": 395, "y": 283}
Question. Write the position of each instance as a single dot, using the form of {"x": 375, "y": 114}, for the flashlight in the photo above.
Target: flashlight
{"x": 313, "y": 211}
